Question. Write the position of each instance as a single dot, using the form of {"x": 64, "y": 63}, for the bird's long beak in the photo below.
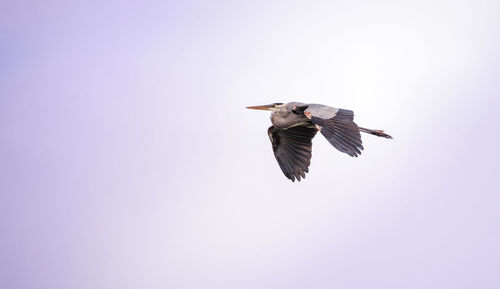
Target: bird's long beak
{"x": 271, "y": 107}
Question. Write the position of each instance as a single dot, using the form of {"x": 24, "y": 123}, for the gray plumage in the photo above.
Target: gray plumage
{"x": 294, "y": 126}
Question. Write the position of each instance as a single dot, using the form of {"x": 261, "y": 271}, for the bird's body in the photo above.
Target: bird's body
{"x": 294, "y": 126}
{"x": 284, "y": 118}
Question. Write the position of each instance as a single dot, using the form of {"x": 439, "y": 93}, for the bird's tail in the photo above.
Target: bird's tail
{"x": 376, "y": 132}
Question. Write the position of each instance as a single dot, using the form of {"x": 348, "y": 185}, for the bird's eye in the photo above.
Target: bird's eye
{"x": 278, "y": 103}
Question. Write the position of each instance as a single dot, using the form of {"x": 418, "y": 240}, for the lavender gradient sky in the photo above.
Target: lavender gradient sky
{"x": 129, "y": 161}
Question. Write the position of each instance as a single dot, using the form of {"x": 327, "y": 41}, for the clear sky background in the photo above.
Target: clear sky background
{"x": 128, "y": 159}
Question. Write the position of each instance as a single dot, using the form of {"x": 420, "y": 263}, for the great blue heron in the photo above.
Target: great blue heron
{"x": 294, "y": 126}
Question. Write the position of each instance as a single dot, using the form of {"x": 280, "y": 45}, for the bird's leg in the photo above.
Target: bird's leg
{"x": 377, "y": 132}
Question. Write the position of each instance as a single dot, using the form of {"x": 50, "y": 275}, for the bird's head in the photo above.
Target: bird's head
{"x": 272, "y": 107}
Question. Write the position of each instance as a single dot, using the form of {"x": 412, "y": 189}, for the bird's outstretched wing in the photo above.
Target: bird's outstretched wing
{"x": 337, "y": 126}
{"x": 292, "y": 149}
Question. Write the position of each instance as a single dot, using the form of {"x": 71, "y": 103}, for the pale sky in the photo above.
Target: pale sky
{"x": 128, "y": 159}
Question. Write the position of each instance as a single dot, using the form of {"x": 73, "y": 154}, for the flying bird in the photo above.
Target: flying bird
{"x": 294, "y": 126}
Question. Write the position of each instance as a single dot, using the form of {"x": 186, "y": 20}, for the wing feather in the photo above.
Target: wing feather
{"x": 292, "y": 148}
{"x": 340, "y": 131}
